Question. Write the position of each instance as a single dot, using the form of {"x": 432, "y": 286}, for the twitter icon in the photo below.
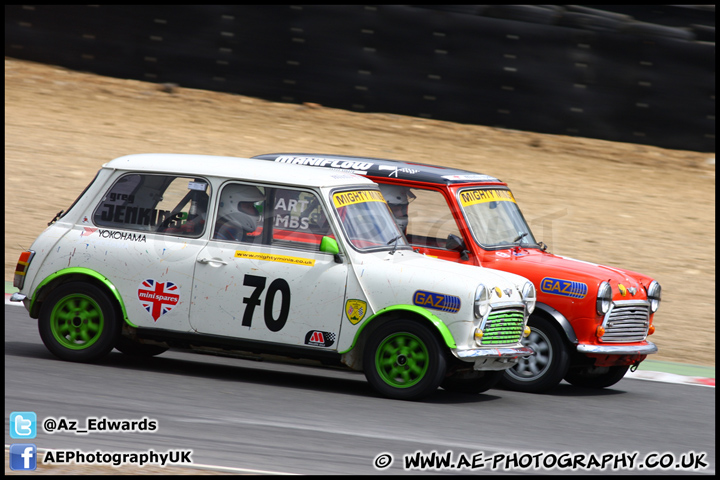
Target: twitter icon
{"x": 23, "y": 424}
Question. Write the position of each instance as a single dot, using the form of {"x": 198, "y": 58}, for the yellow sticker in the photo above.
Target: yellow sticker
{"x": 355, "y": 310}
{"x": 473, "y": 197}
{"x": 269, "y": 257}
{"x": 343, "y": 199}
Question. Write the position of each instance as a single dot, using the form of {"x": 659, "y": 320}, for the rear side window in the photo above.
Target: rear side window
{"x": 155, "y": 203}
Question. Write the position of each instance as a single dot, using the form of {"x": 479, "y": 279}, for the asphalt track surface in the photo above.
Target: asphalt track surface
{"x": 250, "y": 416}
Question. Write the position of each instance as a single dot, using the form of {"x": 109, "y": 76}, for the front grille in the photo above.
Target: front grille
{"x": 626, "y": 322}
{"x": 503, "y": 327}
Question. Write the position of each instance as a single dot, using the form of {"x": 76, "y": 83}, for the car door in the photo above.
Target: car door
{"x": 270, "y": 282}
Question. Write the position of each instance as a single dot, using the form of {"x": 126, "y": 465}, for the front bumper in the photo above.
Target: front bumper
{"x": 17, "y": 297}
{"x": 501, "y": 352}
{"x": 645, "y": 349}
{"x": 493, "y": 359}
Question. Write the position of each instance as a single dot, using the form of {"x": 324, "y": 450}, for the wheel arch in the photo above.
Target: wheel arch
{"x": 353, "y": 356}
{"x": 76, "y": 274}
{"x": 557, "y": 319}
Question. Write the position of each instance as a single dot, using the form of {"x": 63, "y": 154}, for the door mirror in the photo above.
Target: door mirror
{"x": 456, "y": 243}
{"x": 329, "y": 245}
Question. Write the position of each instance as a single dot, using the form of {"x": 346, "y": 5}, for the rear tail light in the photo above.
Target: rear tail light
{"x": 22, "y": 267}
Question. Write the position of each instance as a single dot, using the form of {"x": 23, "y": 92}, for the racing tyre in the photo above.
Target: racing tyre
{"x": 404, "y": 360}
{"x": 475, "y": 382}
{"x": 136, "y": 349}
{"x": 545, "y": 368}
{"x": 78, "y": 322}
{"x": 596, "y": 377}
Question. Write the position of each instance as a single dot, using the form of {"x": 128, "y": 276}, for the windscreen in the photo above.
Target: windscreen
{"x": 494, "y": 218}
{"x": 367, "y": 220}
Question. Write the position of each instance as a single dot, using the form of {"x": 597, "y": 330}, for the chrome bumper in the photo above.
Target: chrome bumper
{"x": 17, "y": 297}
{"x": 501, "y": 352}
{"x": 619, "y": 349}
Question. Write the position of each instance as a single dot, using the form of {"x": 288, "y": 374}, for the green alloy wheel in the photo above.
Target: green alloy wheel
{"x": 78, "y": 322}
{"x": 404, "y": 360}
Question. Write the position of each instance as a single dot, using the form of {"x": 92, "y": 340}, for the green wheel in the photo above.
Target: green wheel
{"x": 404, "y": 360}
{"x": 78, "y": 322}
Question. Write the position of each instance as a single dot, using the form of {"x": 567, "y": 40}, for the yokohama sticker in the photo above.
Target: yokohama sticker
{"x": 319, "y": 339}
{"x": 116, "y": 235}
{"x": 158, "y": 298}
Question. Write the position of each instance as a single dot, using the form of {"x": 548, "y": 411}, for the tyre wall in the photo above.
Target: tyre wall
{"x": 645, "y": 74}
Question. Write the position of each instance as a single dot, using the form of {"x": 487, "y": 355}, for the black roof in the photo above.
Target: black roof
{"x": 379, "y": 167}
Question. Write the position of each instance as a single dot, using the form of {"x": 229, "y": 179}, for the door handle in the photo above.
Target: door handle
{"x": 211, "y": 260}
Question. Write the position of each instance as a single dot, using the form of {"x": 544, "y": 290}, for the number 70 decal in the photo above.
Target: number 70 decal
{"x": 277, "y": 285}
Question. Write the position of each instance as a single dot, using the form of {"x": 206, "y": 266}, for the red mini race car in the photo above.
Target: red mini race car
{"x": 591, "y": 322}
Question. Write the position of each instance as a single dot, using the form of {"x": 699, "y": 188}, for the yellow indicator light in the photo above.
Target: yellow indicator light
{"x": 600, "y": 331}
{"x": 478, "y": 334}
{"x": 526, "y": 332}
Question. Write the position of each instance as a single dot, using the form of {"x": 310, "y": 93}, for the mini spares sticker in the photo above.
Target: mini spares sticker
{"x": 158, "y": 298}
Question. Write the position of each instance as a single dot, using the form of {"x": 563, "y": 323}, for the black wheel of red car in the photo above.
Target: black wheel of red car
{"x": 545, "y": 368}
{"x": 596, "y": 377}
{"x": 404, "y": 360}
{"x": 78, "y": 322}
{"x": 476, "y": 382}
{"x": 131, "y": 347}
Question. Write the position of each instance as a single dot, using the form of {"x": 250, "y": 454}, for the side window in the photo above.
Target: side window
{"x": 271, "y": 216}
{"x": 423, "y": 215}
{"x": 240, "y": 213}
{"x": 299, "y": 220}
{"x": 155, "y": 203}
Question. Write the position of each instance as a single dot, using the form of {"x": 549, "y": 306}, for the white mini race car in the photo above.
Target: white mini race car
{"x": 221, "y": 254}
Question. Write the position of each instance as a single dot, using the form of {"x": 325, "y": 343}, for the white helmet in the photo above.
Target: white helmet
{"x": 231, "y": 198}
{"x": 395, "y": 194}
{"x": 398, "y": 198}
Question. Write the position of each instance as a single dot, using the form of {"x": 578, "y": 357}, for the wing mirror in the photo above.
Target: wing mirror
{"x": 456, "y": 243}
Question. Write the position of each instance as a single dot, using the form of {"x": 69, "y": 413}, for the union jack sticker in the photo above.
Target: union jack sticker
{"x": 158, "y": 298}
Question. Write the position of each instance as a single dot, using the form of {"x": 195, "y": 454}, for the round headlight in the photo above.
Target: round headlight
{"x": 482, "y": 301}
{"x": 604, "y": 298}
{"x": 653, "y": 294}
{"x": 529, "y": 297}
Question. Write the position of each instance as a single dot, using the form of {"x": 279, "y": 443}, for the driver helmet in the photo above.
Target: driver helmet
{"x": 398, "y": 198}
{"x": 237, "y": 203}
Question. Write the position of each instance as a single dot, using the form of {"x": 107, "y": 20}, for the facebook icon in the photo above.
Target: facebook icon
{"x": 23, "y": 456}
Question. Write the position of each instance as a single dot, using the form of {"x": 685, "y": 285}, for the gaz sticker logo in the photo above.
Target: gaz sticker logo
{"x": 437, "y": 301}
{"x": 158, "y": 298}
{"x": 355, "y": 310}
{"x": 564, "y": 288}
{"x": 319, "y": 339}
